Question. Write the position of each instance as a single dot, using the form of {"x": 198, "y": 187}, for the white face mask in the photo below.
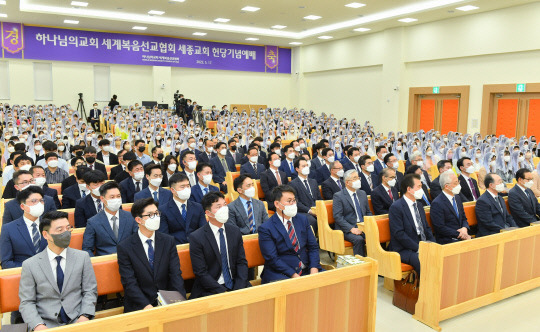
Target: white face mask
{"x": 521, "y": 159}
{"x": 305, "y": 171}
{"x": 340, "y": 173}
{"x": 331, "y": 159}
{"x": 291, "y": 155}
{"x": 395, "y": 165}
{"x": 370, "y": 168}
{"x": 52, "y": 163}
{"x": 207, "y": 179}
{"x": 470, "y": 169}
{"x": 184, "y": 194}
{"x": 276, "y": 163}
{"x": 392, "y": 182}
{"x": 152, "y": 224}
{"x": 223, "y": 152}
{"x": 106, "y": 148}
{"x": 210, "y": 150}
{"x": 500, "y": 187}
{"x": 478, "y": 155}
{"x": 420, "y": 163}
{"x": 250, "y": 192}
{"x": 356, "y": 184}
{"x": 529, "y": 184}
{"x": 356, "y": 159}
{"x": 253, "y": 159}
{"x": 138, "y": 176}
{"x": 456, "y": 190}
{"x": 419, "y": 194}
{"x": 297, "y": 148}
{"x": 25, "y": 167}
{"x": 429, "y": 153}
{"x": 114, "y": 204}
{"x": 398, "y": 147}
{"x": 507, "y": 158}
{"x": 61, "y": 148}
{"x": 192, "y": 165}
{"x": 172, "y": 167}
{"x": 222, "y": 215}
{"x": 11, "y": 149}
{"x": 290, "y": 210}
{"x": 82, "y": 186}
{"x": 156, "y": 182}
{"x": 302, "y": 146}
{"x": 40, "y": 181}
{"x": 37, "y": 147}
{"x": 36, "y": 210}
{"x": 95, "y": 191}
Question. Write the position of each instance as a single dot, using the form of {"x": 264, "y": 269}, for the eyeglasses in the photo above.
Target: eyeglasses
{"x": 290, "y": 202}
{"x": 27, "y": 182}
{"x": 35, "y": 201}
{"x": 152, "y": 215}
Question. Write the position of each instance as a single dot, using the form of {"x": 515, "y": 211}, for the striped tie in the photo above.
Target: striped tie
{"x": 184, "y": 212}
{"x": 99, "y": 206}
{"x": 294, "y": 241}
{"x": 35, "y": 237}
{"x": 252, "y": 227}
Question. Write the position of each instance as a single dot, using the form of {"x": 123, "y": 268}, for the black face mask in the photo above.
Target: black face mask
{"x": 141, "y": 148}
{"x": 90, "y": 160}
{"x": 233, "y": 148}
{"x": 160, "y": 156}
{"x": 79, "y": 153}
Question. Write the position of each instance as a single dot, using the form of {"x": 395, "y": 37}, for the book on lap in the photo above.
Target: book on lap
{"x": 169, "y": 297}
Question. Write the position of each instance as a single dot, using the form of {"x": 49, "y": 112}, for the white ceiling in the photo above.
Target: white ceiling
{"x": 182, "y": 19}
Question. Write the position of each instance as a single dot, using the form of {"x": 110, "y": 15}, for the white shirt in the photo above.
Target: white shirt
{"x": 321, "y": 160}
{"x": 87, "y": 192}
{"x": 524, "y": 189}
{"x": 54, "y": 263}
{"x": 29, "y": 224}
{"x": 215, "y": 230}
{"x": 145, "y": 245}
{"x": 468, "y": 184}
{"x": 413, "y": 213}
{"x": 352, "y": 197}
{"x": 179, "y": 204}
{"x": 135, "y": 184}
{"x": 109, "y": 216}
{"x": 106, "y": 158}
{"x": 153, "y": 191}
{"x": 450, "y": 198}
{"x": 96, "y": 202}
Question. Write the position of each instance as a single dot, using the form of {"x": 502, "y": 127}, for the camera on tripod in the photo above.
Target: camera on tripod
{"x": 80, "y": 95}
{"x": 177, "y": 96}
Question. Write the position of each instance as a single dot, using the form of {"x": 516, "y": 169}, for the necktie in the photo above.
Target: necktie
{"x": 358, "y": 208}
{"x": 358, "y": 169}
{"x": 92, "y": 167}
{"x": 60, "y": 282}
{"x": 224, "y": 165}
{"x": 205, "y": 191}
{"x": 498, "y": 204}
{"x": 137, "y": 186}
{"x": 292, "y": 168}
{"x": 307, "y": 187}
{"x": 192, "y": 179}
{"x": 383, "y": 164}
{"x": 224, "y": 261}
{"x": 83, "y": 195}
{"x": 339, "y": 184}
{"x": 426, "y": 200}
{"x": 99, "y": 206}
{"x": 455, "y": 206}
{"x": 150, "y": 254}
{"x": 255, "y": 168}
{"x": 278, "y": 178}
{"x": 473, "y": 189}
{"x": 390, "y": 194}
{"x": 155, "y": 196}
{"x": 35, "y": 237}
{"x": 114, "y": 226}
{"x": 184, "y": 212}
{"x": 419, "y": 226}
{"x": 294, "y": 241}
{"x": 368, "y": 177}
{"x": 252, "y": 228}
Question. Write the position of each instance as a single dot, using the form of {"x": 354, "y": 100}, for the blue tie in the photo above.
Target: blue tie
{"x": 358, "y": 208}
{"x": 252, "y": 227}
{"x": 224, "y": 261}
{"x": 155, "y": 196}
{"x": 36, "y": 239}
{"x": 205, "y": 191}
{"x": 455, "y": 206}
{"x": 83, "y": 194}
{"x": 184, "y": 212}
{"x": 150, "y": 254}
{"x": 60, "y": 282}
{"x": 292, "y": 168}
{"x": 426, "y": 200}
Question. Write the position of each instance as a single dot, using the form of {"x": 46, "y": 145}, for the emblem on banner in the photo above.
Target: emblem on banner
{"x": 271, "y": 56}
{"x": 12, "y": 37}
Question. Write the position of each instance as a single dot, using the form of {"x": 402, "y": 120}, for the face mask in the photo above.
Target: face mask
{"x": 456, "y": 190}
{"x": 192, "y": 165}
{"x": 521, "y": 159}
{"x": 37, "y": 147}
{"x": 297, "y": 148}
{"x": 184, "y": 194}
{"x": 210, "y": 150}
{"x": 420, "y": 163}
{"x": 61, "y": 240}
{"x": 340, "y": 173}
{"x": 507, "y": 158}
{"x": 370, "y": 168}
{"x": 223, "y": 152}
{"x": 290, "y": 210}
{"x": 138, "y": 176}
{"x": 291, "y": 155}
{"x": 500, "y": 187}
{"x": 222, "y": 215}
{"x": 61, "y": 148}
{"x": 276, "y": 163}
{"x": 82, "y": 186}
{"x": 36, "y": 210}
{"x": 302, "y": 146}
{"x": 356, "y": 184}
{"x": 172, "y": 167}
{"x": 331, "y": 159}
{"x": 156, "y": 182}
{"x": 305, "y": 171}
{"x": 250, "y": 192}
{"x": 419, "y": 194}
{"x": 52, "y": 163}
{"x": 398, "y": 147}
{"x": 152, "y": 224}
{"x": 90, "y": 160}
{"x": 392, "y": 182}
{"x": 478, "y": 155}
{"x": 141, "y": 148}
{"x": 429, "y": 153}
{"x": 160, "y": 156}
{"x": 207, "y": 179}
{"x": 493, "y": 163}
{"x": 529, "y": 184}
{"x": 40, "y": 181}
{"x": 114, "y": 204}
{"x": 470, "y": 169}
{"x": 25, "y": 167}
{"x": 253, "y": 159}
{"x": 356, "y": 159}
{"x": 11, "y": 149}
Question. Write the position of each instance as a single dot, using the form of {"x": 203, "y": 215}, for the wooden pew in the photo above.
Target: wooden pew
{"x": 329, "y": 239}
{"x": 57, "y": 187}
{"x": 229, "y": 178}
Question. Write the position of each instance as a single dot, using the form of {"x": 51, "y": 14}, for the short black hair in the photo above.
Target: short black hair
{"x": 49, "y": 217}
{"x": 379, "y": 148}
{"x": 23, "y": 195}
{"x": 129, "y": 156}
{"x": 271, "y": 154}
{"x": 185, "y": 153}
{"x": 139, "y": 141}
{"x": 460, "y": 161}
{"x": 104, "y": 142}
{"x": 237, "y": 183}
{"x": 520, "y": 174}
{"x": 412, "y": 169}
{"x": 442, "y": 163}
{"x": 278, "y": 191}
{"x": 89, "y": 149}
{"x": 94, "y": 176}
{"x": 132, "y": 164}
{"x": 49, "y": 146}
{"x": 351, "y": 151}
{"x": 15, "y": 153}
{"x": 31, "y": 170}
{"x": 363, "y": 159}
{"x": 19, "y": 173}
{"x": 154, "y": 149}
{"x": 296, "y": 162}
{"x": 50, "y": 155}
{"x": 325, "y": 151}
{"x": 408, "y": 181}
{"x": 21, "y": 158}
{"x": 275, "y": 145}
{"x": 80, "y": 171}
{"x": 251, "y": 149}
{"x": 149, "y": 167}
{"x": 138, "y": 207}
{"x": 211, "y": 198}
{"x": 108, "y": 186}
{"x": 177, "y": 177}
{"x": 287, "y": 147}
{"x": 387, "y": 157}
{"x": 74, "y": 160}
{"x": 20, "y": 146}
{"x": 219, "y": 144}
{"x": 201, "y": 166}
{"x": 488, "y": 179}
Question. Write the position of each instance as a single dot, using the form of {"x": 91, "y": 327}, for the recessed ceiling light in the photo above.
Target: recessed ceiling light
{"x": 295, "y": 43}
{"x": 177, "y": 0}
{"x": 199, "y": 33}
{"x": 2, "y": 2}
{"x": 278, "y": 26}
{"x": 251, "y": 38}
{"x": 79, "y": 3}
{"x": 139, "y": 28}
{"x": 222, "y": 20}
{"x": 312, "y": 17}
{"x": 467, "y": 8}
{"x": 325, "y": 37}
{"x": 362, "y": 29}
{"x": 156, "y": 12}
{"x": 408, "y": 20}
{"x": 250, "y": 9}
{"x": 71, "y": 21}
{"x": 355, "y": 5}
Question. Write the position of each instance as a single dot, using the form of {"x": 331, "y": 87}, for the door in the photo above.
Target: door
{"x": 439, "y": 112}
{"x": 517, "y": 114}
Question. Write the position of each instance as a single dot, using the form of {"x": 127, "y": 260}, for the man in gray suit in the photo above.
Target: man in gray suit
{"x": 246, "y": 212}
{"x": 58, "y": 286}
{"x": 350, "y": 207}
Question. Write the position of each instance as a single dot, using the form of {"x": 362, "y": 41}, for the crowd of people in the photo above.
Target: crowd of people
{"x": 174, "y": 173}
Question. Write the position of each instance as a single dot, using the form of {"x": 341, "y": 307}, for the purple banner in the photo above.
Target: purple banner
{"x": 57, "y": 44}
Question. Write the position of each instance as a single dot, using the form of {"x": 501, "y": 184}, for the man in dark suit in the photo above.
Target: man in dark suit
{"x": 287, "y": 243}
{"x": 221, "y": 164}
{"x": 415, "y": 169}
{"x": 334, "y": 183}
{"x": 89, "y": 206}
{"x": 76, "y": 162}
{"x": 408, "y": 223}
{"x": 469, "y": 186}
{"x": 287, "y": 164}
{"x": 110, "y": 226}
{"x": 272, "y": 178}
{"x": 22, "y": 162}
{"x": 490, "y": 208}
{"x": 148, "y": 260}
{"x": 233, "y": 153}
{"x": 217, "y": 252}
{"x": 379, "y": 163}
{"x": 303, "y": 147}
{"x": 94, "y": 117}
{"x": 351, "y": 162}
{"x": 447, "y": 214}
{"x": 192, "y": 145}
{"x": 189, "y": 166}
{"x": 385, "y": 194}
{"x": 73, "y": 193}
{"x": 260, "y": 159}
{"x": 317, "y": 161}
{"x": 179, "y": 215}
{"x": 38, "y": 173}
{"x": 350, "y": 207}
{"x": 105, "y": 156}
{"x": 203, "y": 186}
{"x": 521, "y": 200}
{"x": 135, "y": 183}
{"x": 245, "y": 212}
{"x": 323, "y": 173}
{"x": 90, "y": 154}
{"x": 307, "y": 191}
{"x": 367, "y": 177}
{"x": 435, "y": 187}
{"x": 252, "y": 167}
{"x": 416, "y": 159}
{"x": 208, "y": 153}
{"x": 391, "y": 161}
{"x": 118, "y": 173}
{"x": 154, "y": 176}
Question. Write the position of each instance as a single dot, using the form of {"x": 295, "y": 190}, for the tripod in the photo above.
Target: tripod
{"x": 80, "y": 108}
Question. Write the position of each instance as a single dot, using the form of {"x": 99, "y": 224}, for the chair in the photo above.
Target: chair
{"x": 57, "y": 187}
{"x": 329, "y": 239}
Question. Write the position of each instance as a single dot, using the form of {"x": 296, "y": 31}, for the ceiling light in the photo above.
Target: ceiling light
{"x": 139, "y": 28}
{"x": 325, "y": 37}
{"x": 362, "y": 29}
{"x": 177, "y": 0}
{"x": 355, "y": 5}
{"x": 295, "y": 43}
{"x": 221, "y": 20}
{"x": 71, "y": 21}
{"x": 312, "y": 17}
{"x": 79, "y": 4}
{"x": 250, "y": 9}
{"x": 467, "y": 8}
{"x": 278, "y": 26}
{"x": 156, "y": 12}
{"x": 199, "y": 33}
{"x": 251, "y": 38}
{"x": 408, "y": 20}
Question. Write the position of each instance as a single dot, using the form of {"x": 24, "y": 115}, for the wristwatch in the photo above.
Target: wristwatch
{"x": 87, "y": 316}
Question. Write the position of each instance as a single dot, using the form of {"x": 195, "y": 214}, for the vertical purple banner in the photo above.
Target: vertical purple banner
{"x": 271, "y": 59}
{"x": 12, "y": 40}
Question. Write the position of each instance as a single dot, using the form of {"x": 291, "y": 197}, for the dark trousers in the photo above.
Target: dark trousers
{"x": 410, "y": 257}
{"x": 358, "y": 242}
{"x": 95, "y": 124}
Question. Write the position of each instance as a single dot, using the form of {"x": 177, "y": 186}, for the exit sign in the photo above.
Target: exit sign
{"x": 520, "y": 87}
{"x": 436, "y": 89}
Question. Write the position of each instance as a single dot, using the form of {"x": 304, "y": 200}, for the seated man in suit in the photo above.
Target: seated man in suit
{"x": 316, "y": 161}
{"x": 245, "y": 212}
{"x": 379, "y": 163}
{"x": 38, "y": 173}
{"x": 416, "y": 159}
{"x": 272, "y": 178}
{"x": 180, "y": 216}
{"x": 287, "y": 164}
{"x": 385, "y": 194}
{"x": 120, "y": 167}
{"x": 391, "y": 161}
{"x": 73, "y": 193}
{"x": 148, "y": 260}
{"x": 203, "y": 186}
{"x": 367, "y": 177}
{"x": 323, "y": 173}
{"x": 135, "y": 183}
{"x": 217, "y": 252}
{"x": 260, "y": 159}
{"x": 221, "y": 164}
{"x": 334, "y": 183}
{"x": 154, "y": 176}
{"x": 286, "y": 240}
{"x": 307, "y": 191}
{"x": 140, "y": 147}
{"x": 189, "y": 166}
{"x": 105, "y": 156}
{"x": 523, "y": 204}
{"x": 53, "y": 173}
{"x": 50, "y": 146}
{"x": 110, "y": 226}
{"x": 89, "y": 206}
{"x": 192, "y": 146}
{"x": 435, "y": 187}
{"x": 157, "y": 155}
{"x": 12, "y": 209}
{"x": 350, "y": 207}
{"x": 122, "y": 173}
{"x": 58, "y": 286}
{"x": 469, "y": 186}
{"x": 351, "y": 162}
{"x": 208, "y": 153}
{"x": 447, "y": 214}
{"x": 490, "y": 208}
{"x": 408, "y": 223}
{"x": 252, "y": 167}
{"x": 23, "y": 163}
{"x": 303, "y": 146}
{"x": 90, "y": 154}
{"x": 21, "y": 238}
{"x": 415, "y": 169}
{"x": 71, "y": 180}
{"x": 233, "y": 153}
